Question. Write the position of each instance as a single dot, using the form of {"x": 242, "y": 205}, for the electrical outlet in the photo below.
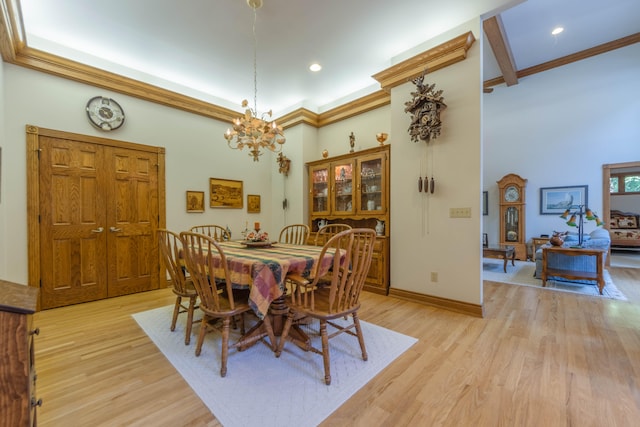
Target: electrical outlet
{"x": 434, "y": 276}
{"x": 459, "y": 212}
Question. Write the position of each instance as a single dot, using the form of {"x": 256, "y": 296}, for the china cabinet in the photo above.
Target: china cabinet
{"x": 18, "y": 400}
{"x": 512, "y": 213}
{"x": 354, "y": 189}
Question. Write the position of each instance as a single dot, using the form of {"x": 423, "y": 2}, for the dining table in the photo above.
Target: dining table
{"x": 263, "y": 269}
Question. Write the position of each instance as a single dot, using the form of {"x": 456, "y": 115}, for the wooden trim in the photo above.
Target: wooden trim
{"x": 494, "y": 30}
{"x": 578, "y": 56}
{"x": 444, "y": 303}
{"x": 93, "y": 139}
{"x": 356, "y": 107}
{"x": 61, "y": 67}
{"x": 443, "y": 55}
{"x": 33, "y": 208}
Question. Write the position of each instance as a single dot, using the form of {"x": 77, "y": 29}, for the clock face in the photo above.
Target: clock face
{"x": 105, "y": 113}
{"x": 512, "y": 194}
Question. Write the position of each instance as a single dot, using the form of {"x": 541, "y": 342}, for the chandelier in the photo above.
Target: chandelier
{"x": 249, "y": 130}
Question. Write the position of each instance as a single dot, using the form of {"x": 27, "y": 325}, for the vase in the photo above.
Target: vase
{"x": 556, "y": 241}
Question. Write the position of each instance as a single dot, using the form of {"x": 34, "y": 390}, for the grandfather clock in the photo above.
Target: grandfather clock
{"x": 512, "y": 209}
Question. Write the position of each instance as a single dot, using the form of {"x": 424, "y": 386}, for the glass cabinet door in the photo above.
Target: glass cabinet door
{"x": 511, "y": 224}
{"x": 319, "y": 197}
{"x": 342, "y": 174}
{"x": 371, "y": 191}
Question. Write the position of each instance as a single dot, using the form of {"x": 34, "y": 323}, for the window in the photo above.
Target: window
{"x": 624, "y": 183}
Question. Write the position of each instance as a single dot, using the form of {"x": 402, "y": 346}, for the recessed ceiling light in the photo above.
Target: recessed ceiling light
{"x": 557, "y": 31}
{"x": 315, "y": 67}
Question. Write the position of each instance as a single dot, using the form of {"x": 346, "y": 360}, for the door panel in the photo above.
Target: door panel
{"x": 73, "y": 253}
{"x": 132, "y": 215}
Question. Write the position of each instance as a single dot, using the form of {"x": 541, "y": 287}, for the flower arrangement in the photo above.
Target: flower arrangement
{"x": 257, "y": 236}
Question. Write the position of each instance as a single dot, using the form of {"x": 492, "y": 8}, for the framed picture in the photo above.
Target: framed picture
{"x": 485, "y": 240}
{"x": 485, "y": 203}
{"x": 225, "y": 193}
{"x": 556, "y": 200}
{"x": 253, "y": 203}
{"x": 195, "y": 201}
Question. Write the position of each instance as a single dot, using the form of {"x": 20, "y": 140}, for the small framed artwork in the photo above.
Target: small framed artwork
{"x": 556, "y": 200}
{"x": 253, "y": 203}
{"x": 485, "y": 240}
{"x": 195, "y": 201}
{"x": 225, "y": 193}
{"x": 485, "y": 203}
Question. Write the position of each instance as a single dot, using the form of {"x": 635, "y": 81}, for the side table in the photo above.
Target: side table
{"x": 504, "y": 252}
{"x": 536, "y": 242}
{"x": 597, "y": 275}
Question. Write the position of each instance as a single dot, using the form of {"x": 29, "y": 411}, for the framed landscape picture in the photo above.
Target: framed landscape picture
{"x": 195, "y": 201}
{"x": 556, "y": 200}
{"x": 225, "y": 193}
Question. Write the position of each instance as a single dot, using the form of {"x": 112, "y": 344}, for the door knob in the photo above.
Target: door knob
{"x": 98, "y": 230}
{"x": 115, "y": 229}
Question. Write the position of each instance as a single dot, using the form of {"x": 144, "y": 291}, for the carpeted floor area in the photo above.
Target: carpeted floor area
{"x": 522, "y": 274}
{"x": 262, "y": 390}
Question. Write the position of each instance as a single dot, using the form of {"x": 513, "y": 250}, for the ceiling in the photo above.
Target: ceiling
{"x": 204, "y": 48}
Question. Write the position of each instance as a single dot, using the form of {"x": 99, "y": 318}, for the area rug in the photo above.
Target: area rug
{"x": 522, "y": 274}
{"x": 262, "y": 390}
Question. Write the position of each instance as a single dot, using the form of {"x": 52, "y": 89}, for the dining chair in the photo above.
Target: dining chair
{"x": 216, "y": 232}
{"x": 295, "y": 234}
{"x": 325, "y": 232}
{"x": 353, "y": 252}
{"x": 171, "y": 249}
{"x": 209, "y": 270}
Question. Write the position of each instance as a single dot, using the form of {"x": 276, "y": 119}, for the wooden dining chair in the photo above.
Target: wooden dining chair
{"x": 354, "y": 250}
{"x": 171, "y": 250}
{"x": 322, "y": 236}
{"x": 295, "y": 234}
{"x": 216, "y": 232}
{"x": 209, "y": 270}
{"x": 324, "y": 233}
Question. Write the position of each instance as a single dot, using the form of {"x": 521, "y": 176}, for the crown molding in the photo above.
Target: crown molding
{"x": 443, "y": 55}
{"x": 358, "y": 106}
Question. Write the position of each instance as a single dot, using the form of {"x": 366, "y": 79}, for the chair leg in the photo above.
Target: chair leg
{"x": 325, "y": 352}
{"x": 225, "y": 345}
{"x": 356, "y": 321}
{"x": 285, "y": 333}
{"x": 203, "y": 331}
{"x": 190, "y": 310}
{"x": 176, "y": 311}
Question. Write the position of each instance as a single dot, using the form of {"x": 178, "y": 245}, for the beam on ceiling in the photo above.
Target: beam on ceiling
{"x": 494, "y": 31}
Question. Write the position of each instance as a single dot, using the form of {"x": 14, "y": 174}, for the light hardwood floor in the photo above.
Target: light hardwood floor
{"x": 538, "y": 358}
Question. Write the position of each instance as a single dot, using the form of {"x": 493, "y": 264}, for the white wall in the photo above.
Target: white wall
{"x": 558, "y": 128}
{"x": 195, "y": 151}
{"x": 424, "y": 238}
{"x": 335, "y": 137}
{"x": 3, "y": 175}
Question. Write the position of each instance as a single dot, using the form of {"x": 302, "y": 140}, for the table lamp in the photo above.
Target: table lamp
{"x": 580, "y": 214}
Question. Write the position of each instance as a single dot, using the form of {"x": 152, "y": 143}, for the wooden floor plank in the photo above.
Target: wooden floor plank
{"x": 538, "y": 358}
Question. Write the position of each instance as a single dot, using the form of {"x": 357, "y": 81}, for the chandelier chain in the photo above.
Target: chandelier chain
{"x": 255, "y": 63}
{"x": 251, "y": 130}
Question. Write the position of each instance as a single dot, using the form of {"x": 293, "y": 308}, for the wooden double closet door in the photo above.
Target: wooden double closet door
{"x": 98, "y": 212}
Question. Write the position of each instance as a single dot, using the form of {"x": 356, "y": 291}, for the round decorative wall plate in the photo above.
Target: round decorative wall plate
{"x": 105, "y": 113}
